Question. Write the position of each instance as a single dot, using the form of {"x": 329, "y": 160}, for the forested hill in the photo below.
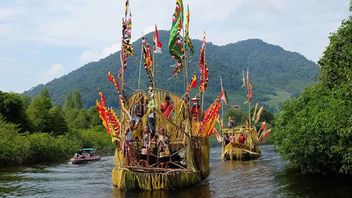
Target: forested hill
{"x": 276, "y": 74}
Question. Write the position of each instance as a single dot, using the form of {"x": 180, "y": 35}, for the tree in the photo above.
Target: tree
{"x": 81, "y": 121}
{"x": 58, "y": 123}
{"x": 314, "y": 131}
{"x": 12, "y": 108}
{"x": 237, "y": 115}
{"x": 73, "y": 101}
{"x": 93, "y": 116}
{"x": 38, "y": 112}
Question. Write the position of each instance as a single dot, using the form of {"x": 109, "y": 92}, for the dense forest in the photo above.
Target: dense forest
{"x": 314, "y": 130}
{"x": 276, "y": 74}
{"x": 38, "y": 131}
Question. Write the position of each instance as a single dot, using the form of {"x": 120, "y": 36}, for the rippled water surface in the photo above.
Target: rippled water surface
{"x": 264, "y": 177}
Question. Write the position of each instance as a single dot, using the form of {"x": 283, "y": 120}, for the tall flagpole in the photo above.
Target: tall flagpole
{"x": 249, "y": 102}
{"x": 140, "y": 66}
{"x": 222, "y": 106}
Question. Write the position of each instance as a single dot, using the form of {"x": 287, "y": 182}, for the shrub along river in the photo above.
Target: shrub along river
{"x": 267, "y": 176}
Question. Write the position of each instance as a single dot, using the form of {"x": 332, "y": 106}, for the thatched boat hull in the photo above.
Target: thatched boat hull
{"x": 127, "y": 179}
{"x": 236, "y": 153}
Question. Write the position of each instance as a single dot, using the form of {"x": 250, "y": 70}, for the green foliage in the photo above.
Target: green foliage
{"x": 314, "y": 131}
{"x": 38, "y": 112}
{"x": 272, "y": 69}
{"x": 95, "y": 137}
{"x": 239, "y": 117}
{"x": 336, "y": 63}
{"x": 93, "y": 116}
{"x": 12, "y": 108}
{"x": 73, "y": 101}
{"x": 82, "y": 120}
{"x": 52, "y": 142}
{"x": 14, "y": 147}
{"x": 35, "y": 148}
{"x": 57, "y": 119}
{"x": 45, "y": 148}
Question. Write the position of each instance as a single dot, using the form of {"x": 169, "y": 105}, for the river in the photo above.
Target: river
{"x": 267, "y": 176}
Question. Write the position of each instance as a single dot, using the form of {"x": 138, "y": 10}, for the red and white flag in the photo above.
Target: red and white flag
{"x": 157, "y": 44}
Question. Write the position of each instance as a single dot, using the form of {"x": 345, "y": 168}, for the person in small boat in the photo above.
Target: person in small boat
{"x": 167, "y": 107}
{"x": 230, "y": 123}
{"x": 163, "y": 147}
{"x": 242, "y": 138}
{"x": 195, "y": 109}
{"x": 128, "y": 141}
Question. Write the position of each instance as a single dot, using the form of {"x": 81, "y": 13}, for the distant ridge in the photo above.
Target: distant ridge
{"x": 276, "y": 74}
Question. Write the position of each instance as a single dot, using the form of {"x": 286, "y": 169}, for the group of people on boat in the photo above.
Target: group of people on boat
{"x": 153, "y": 144}
{"x": 231, "y": 138}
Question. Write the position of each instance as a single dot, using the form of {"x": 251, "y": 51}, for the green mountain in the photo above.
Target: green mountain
{"x": 276, "y": 74}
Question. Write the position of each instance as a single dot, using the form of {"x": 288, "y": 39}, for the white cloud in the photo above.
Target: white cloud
{"x": 52, "y": 72}
{"x": 91, "y": 29}
{"x": 95, "y": 55}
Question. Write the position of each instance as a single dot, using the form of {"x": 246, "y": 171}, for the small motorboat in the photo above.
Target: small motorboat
{"x": 85, "y": 155}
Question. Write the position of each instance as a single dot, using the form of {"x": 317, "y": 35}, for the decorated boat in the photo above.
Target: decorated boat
{"x": 162, "y": 142}
{"x": 85, "y": 155}
{"x": 242, "y": 142}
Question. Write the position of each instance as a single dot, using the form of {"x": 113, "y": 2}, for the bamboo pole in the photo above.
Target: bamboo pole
{"x": 140, "y": 68}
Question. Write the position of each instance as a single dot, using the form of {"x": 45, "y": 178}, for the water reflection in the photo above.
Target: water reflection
{"x": 264, "y": 177}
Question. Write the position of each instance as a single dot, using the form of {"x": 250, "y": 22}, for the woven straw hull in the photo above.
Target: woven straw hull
{"x": 236, "y": 153}
{"x": 248, "y": 150}
{"x": 128, "y": 179}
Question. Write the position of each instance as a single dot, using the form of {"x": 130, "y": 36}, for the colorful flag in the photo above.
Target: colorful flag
{"x": 114, "y": 124}
{"x": 259, "y": 113}
{"x": 210, "y": 117}
{"x": 188, "y": 42}
{"x": 243, "y": 80}
{"x": 203, "y": 68}
{"x": 112, "y": 79}
{"x": 102, "y": 112}
{"x": 264, "y": 135}
{"x": 157, "y": 44}
{"x": 148, "y": 60}
{"x": 262, "y": 128}
{"x": 223, "y": 93}
{"x": 255, "y": 111}
{"x": 126, "y": 47}
{"x": 192, "y": 84}
{"x": 218, "y": 137}
{"x": 175, "y": 41}
{"x": 249, "y": 89}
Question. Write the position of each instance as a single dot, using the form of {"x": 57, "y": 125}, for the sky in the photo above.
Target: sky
{"x": 44, "y": 39}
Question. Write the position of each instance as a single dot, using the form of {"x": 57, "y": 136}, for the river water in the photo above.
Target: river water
{"x": 267, "y": 176}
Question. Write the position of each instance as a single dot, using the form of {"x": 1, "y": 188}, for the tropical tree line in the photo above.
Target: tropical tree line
{"x": 314, "y": 131}
{"x": 39, "y": 131}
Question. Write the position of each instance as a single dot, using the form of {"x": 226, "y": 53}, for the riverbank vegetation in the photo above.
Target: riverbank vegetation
{"x": 38, "y": 131}
{"x": 314, "y": 131}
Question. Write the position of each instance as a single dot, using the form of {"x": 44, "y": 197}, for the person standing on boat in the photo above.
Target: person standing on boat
{"x": 167, "y": 107}
{"x": 138, "y": 109}
{"x": 163, "y": 147}
{"x": 196, "y": 109}
{"x": 230, "y": 123}
{"x": 151, "y": 108}
{"x": 242, "y": 138}
{"x": 128, "y": 141}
